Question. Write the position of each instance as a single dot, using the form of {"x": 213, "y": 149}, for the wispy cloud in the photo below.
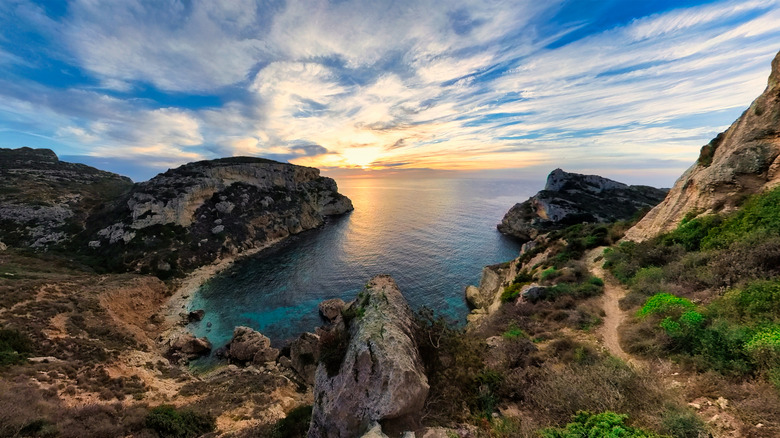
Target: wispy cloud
{"x": 455, "y": 85}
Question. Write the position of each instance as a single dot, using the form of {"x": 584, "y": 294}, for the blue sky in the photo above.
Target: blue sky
{"x": 627, "y": 89}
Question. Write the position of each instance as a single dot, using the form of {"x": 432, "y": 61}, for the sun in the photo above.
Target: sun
{"x": 361, "y": 156}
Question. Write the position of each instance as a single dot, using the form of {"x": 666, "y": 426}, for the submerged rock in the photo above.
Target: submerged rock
{"x": 571, "y": 198}
{"x": 381, "y": 378}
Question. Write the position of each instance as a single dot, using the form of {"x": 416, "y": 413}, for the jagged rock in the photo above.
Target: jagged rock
{"x": 3, "y": 246}
{"x": 304, "y": 356}
{"x": 196, "y": 315}
{"x": 743, "y": 160}
{"x": 533, "y": 292}
{"x": 375, "y": 431}
{"x": 190, "y": 347}
{"x": 331, "y": 309}
{"x": 381, "y": 377}
{"x": 249, "y": 346}
{"x": 227, "y": 205}
{"x": 571, "y": 198}
{"x": 486, "y": 294}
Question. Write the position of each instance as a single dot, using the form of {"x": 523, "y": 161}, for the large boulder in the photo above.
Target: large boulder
{"x": 381, "y": 377}
{"x": 190, "y": 347}
{"x": 743, "y": 160}
{"x": 331, "y": 309}
{"x": 571, "y": 198}
{"x": 304, "y": 354}
{"x": 249, "y": 346}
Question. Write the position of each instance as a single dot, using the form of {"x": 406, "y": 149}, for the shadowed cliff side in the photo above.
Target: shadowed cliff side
{"x": 571, "y": 198}
{"x": 739, "y": 162}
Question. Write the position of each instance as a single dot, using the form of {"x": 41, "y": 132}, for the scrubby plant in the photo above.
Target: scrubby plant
{"x": 663, "y": 304}
{"x": 605, "y": 424}
{"x": 295, "y": 424}
{"x": 14, "y": 347}
{"x": 168, "y": 421}
{"x": 764, "y": 347}
{"x": 511, "y": 292}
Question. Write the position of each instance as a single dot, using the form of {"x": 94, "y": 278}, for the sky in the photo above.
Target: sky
{"x": 624, "y": 88}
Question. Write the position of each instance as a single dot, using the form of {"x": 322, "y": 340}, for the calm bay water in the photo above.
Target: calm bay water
{"x": 432, "y": 235}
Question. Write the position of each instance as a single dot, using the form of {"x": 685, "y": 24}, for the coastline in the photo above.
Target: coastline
{"x": 185, "y": 290}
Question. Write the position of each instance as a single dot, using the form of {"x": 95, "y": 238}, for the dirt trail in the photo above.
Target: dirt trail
{"x": 614, "y": 316}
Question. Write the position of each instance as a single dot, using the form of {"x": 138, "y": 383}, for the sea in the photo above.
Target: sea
{"x": 433, "y": 235}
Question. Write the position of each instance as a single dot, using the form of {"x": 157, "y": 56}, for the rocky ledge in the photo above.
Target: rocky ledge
{"x": 571, "y": 198}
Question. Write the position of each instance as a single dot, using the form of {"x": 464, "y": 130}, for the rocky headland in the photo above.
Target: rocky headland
{"x": 572, "y": 198}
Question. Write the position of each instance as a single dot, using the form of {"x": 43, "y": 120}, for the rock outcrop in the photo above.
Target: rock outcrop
{"x": 381, "y": 377}
{"x": 743, "y": 160}
{"x": 187, "y": 346}
{"x": 200, "y": 212}
{"x": 331, "y": 309}
{"x": 45, "y": 201}
{"x": 571, "y": 198}
{"x": 304, "y": 354}
{"x": 484, "y": 296}
{"x": 248, "y": 346}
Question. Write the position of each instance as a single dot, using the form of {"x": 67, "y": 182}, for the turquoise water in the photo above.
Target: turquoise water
{"x": 432, "y": 235}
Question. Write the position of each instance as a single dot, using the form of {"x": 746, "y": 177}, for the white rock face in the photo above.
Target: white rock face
{"x": 381, "y": 378}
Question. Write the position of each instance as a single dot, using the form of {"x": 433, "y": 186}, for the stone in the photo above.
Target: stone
{"x": 741, "y": 161}
{"x": 533, "y": 292}
{"x": 375, "y": 431}
{"x": 381, "y": 377}
{"x": 572, "y": 198}
{"x": 196, "y": 315}
{"x": 190, "y": 347}
{"x": 331, "y": 309}
{"x": 304, "y": 354}
{"x": 484, "y": 296}
{"x": 249, "y": 346}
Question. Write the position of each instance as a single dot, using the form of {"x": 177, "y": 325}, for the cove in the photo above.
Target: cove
{"x": 432, "y": 235}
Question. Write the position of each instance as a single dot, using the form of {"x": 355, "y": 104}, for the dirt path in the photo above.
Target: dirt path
{"x": 614, "y": 317}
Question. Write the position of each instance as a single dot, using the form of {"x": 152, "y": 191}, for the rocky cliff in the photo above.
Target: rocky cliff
{"x": 199, "y": 212}
{"x": 570, "y": 198}
{"x": 45, "y": 201}
{"x": 741, "y": 161}
{"x": 381, "y": 378}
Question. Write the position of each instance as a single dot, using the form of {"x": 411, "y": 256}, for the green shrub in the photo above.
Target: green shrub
{"x": 690, "y": 234}
{"x": 168, "y": 421}
{"x": 511, "y": 292}
{"x": 604, "y": 425}
{"x": 549, "y": 274}
{"x": 514, "y": 332}
{"x": 14, "y": 347}
{"x": 755, "y": 303}
{"x": 596, "y": 281}
{"x": 764, "y": 347}
{"x": 663, "y": 304}
{"x": 760, "y": 214}
{"x": 682, "y": 423}
{"x": 295, "y": 424}
{"x": 647, "y": 281}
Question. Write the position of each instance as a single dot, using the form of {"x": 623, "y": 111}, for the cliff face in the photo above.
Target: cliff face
{"x": 741, "y": 161}
{"x": 196, "y": 213}
{"x": 381, "y": 378}
{"x": 45, "y": 201}
{"x": 570, "y": 198}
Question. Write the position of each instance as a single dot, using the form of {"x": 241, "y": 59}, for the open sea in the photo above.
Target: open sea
{"x": 432, "y": 235}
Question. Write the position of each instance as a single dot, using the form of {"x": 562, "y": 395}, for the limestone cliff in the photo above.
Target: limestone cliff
{"x": 743, "y": 160}
{"x": 570, "y": 198}
{"x": 381, "y": 377}
{"x": 199, "y": 212}
{"x": 45, "y": 201}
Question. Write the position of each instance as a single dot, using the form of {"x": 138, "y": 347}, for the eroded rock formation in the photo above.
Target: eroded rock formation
{"x": 571, "y": 198}
{"x": 743, "y": 160}
{"x": 381, "y": 377}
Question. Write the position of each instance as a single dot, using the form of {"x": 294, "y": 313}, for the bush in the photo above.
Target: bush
{"x": 682, "y": 423}
{"x": 511, "y": 292}
{"x": 168, "y": 421}
{"x": 755, "y": 303}
{"x": 295, "y": 424}
{"x": 663, "y": 304}
{"x": 606, "y": 424}
{"x": 647, "y": 281}
{"x": 764, "y": 347}
{"x": 14, "y": 347}
{"x": 689, "y": 234}
{"x": 760, "y": 214}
